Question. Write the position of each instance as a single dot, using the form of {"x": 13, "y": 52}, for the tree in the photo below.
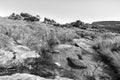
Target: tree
{"x": 78, "y": 23}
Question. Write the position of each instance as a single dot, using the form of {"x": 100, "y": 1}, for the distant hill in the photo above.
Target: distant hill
{"x": 107, "y": 23}
{"x": 113, "y": 26}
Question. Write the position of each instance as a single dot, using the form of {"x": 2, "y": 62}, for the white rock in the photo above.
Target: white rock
{"x": 58, "y": 64}
{"x": 23, "y": 52}
{"x": 26, "y": 76}
{"x": 5, "y": 57}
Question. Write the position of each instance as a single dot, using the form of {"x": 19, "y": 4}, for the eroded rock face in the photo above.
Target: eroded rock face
{"x": 26, "y": 76}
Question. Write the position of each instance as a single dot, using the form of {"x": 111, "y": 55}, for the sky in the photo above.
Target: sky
{"x": 65, "y": 11}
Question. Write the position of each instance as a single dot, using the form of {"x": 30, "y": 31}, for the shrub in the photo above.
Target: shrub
{"x": 15, "y": 16}
{"x": 49, "y": 21}
{"x": 78, "y": 24}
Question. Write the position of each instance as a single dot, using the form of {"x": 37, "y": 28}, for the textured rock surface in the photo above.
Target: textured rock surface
{"x": 6, "y": 58}
{"x": 76, "y": 63}
{"x": 16, "y": 56}
{"x": 25, "y": 76}
{"x": 84, "y": 44}
{"x": 64, "y": 53}
{"x": 23, "y": 52}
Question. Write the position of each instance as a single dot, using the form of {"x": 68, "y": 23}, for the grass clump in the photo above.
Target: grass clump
{"x": 109, "y": 52}
{"x": 66, "y": 35}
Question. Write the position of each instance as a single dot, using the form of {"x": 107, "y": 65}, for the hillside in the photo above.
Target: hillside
{"x": 35, "y": 50}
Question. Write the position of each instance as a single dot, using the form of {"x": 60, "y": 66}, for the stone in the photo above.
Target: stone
{"x": 65, "y": 51}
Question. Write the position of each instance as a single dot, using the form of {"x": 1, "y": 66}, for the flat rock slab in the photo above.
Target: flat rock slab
{"x": 65, "y": 51}
{"x": 26, "y": 76}
{"x": 85, "y": 44}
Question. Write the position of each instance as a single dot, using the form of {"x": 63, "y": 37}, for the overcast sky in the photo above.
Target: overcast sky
{"x": 65, "y": 10}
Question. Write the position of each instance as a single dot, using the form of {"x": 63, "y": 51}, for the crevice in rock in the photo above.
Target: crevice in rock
{"x": 75, "y": 66}
{"x": 80, "y": 57}
{"x": 76, "y": 45}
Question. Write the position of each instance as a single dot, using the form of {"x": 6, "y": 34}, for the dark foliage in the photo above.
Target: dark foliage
{"x": 78, "y": 24}
{"x": 15, "y": 16}
{"x": 31, "y": 19}
{"x": 50, "y": 21}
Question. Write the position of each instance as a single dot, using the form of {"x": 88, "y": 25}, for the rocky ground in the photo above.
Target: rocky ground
{"x": 41, "y": 51}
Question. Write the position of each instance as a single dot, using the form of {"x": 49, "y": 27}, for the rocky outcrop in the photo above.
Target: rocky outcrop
{"x": 26, "y": 76}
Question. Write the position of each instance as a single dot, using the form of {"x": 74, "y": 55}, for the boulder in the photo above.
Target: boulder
{"x": 63, "y": 52}
{"x": 25, "y": 15}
